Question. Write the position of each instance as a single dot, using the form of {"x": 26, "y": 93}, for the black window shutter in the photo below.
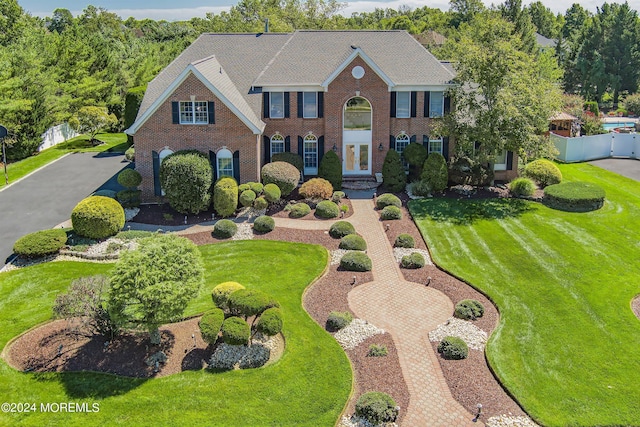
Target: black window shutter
{"x": 287, "y": 144}
{"x": 393, "y": 104}
{"x": 266, "y": 142}
{"x": 392, "y": 142}
{"x": 236, "y": 165}
{"x": 445, "y": 147}
{"x": 300, "y": 105}
{"x": 412, "y": 139}
{"x": 214, "y": 164}
{"x": 476, "y": 145}
{"x": 447, "y": 104}
{"x": 157, "y": 190}
{"x": 211, "y": 110}
{"x": 175, "y": 112}
{"x": 320, "y": 149}
{"x": 286, "y": 105}
{"x": 425, "y": 141}
{"x": 414, "y": 103}
{"x": 427, "y": 103}
{"x": 509, "y": 160}
{"x": 300, "y": 146}
{"x": 265, "y": 105}
{"x": 320, "y": 105}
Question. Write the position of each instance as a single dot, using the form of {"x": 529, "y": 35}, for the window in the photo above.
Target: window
{"x": 225, "y": 162}
{"x": 435, "y": 145}
{"x": 402, "y": 140}
{"x": 500, "y": 161}
{"x": 310, "y": 155}
{"x": 276, "y": 105}
{"x": 194, "y": 112}
{"x": 277, "y": 144}
{"x": 161, "y": 156}
{"x": 310, "y": 105}
{"x": 436, "y": 104}
{"x": 357, "y": 114}
{"x": 403, "y": 105}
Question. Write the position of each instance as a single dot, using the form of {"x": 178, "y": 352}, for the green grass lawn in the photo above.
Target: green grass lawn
{"x": 568, "y": 344}
{"x": 113, "y": 142}
{"x": 308, "y": 386}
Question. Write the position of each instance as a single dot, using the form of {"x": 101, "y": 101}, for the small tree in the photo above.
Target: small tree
{"x": 186, "y": 178}
{"x": 435, "y": 172}
{"x": 393, "y": 175}
{"x": 330, "y": 169}
{"x": 415, "y": 154}
{"x": 91, "y": 120}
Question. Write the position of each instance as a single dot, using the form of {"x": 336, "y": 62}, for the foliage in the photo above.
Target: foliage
{"x": 412, "y": 261}
{"x": 420, "y": 189}
{"x": 388, "y": 199}
{"x": 522, "y": 187}
{"x": 466, "y": 171}
{"x": 40, "y": 243}
{"x": 299, "y": 210}
{"x": 291, "y": 158}
{"x": 543, "y": 172}
{"x": 92, "y": 119}
{"x": 261, "y": 203}
{"x": 415, "y": 154}
{"x": 353, "y": 242}
{"x": 270, "y": 322}
{"x": 235, "y": 331}
{"x": 210, "y": 325}
{"x": 264, "y": 224}
{"x": 393, "y": 175}
{"x": 129, "y": 198}
{"x": 330, "y": 168}
{"x": 337, "y": 196}
{"x": 282, "y": 174}
{"x": 592, "y": 107}
{"x": 327, "y": 209}
{"x": 574, "y": 196}
{"x": 249, "y": 302}
{"x": 435, "y": 172}
{"x": 97, "y": 217}
{"x": 130, "y": 235}
{"x": 469, "y": 309}
{"x": 376, "y": 407}
{"x": 247, "y": 197}
{"x": 256, "y": 187}
{"x": 225, "y": 196}
{"x": 224, "y": 229}
{"x": 243, "y": 187}
{"x": 221, "y": 293}
{"x": 130, "y": 154}
{"x": 453, "y": 348}
{"x": 132, "y": 101}
{"x": 355, "y": 261}
{"x": 377, "y": 350}
{"x": 186, "y": 178}
{"x": 129, "y": 178}
{"x": 338, "y": 320}
{"x": 632, "y": 104}
{"x": 404, "y": 241}
{"x": 272, "y": 193}
{"x": 316, "y": 189}
{"x": 340, "y": 229}
{"x": 390, "y": 213}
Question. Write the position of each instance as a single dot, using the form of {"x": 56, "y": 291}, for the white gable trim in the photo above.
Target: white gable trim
{"x": 358, "y": 52}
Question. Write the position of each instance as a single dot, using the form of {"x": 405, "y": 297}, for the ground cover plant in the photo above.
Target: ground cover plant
{"x": 567, "y": 343}
{"x": 308, "y": 386}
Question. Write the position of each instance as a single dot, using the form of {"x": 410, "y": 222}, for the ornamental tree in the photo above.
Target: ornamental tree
{"x": 91, "y": 120}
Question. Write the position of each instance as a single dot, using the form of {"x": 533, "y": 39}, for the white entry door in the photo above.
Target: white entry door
{"x": 357, "y": 158}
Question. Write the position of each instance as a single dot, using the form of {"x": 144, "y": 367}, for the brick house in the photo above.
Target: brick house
{"x": 243, "y": 97}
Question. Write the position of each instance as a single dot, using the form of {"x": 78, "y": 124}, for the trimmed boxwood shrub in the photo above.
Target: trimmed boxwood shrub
{"x": 249, "y": 302}
{"x": 97, "y": 217}
{"x": 388, "y": 199}
{"x": 186, "y": 178}
{"x": 469, "y": 309}
{"x": 235, "y": 331}
{"x": 391, "y": 212}
{"x": 376, "y": 407}
{"x": 316, "y": 189}
{"x": 243, "y": 187}
{"x": 260, "y": 203}
{"x": 356, "y": 261}
{"x": 543, "y": 172}
{"x": 393, "y": 175}
{"x": 338, "y": 320}
{"x": 129, "y": 198}
{"x": 404, "y": 241}
{"x": 247, "y": 198}
{"x": 40, "y": 243}
{"x": 415, "y": 154}
{"x": 330, "y": 168}
{"x": 291, "y": 158}
{"x": 299, "y": 210}
{"x": 337, "y": 196}
{"x": 353, "y": 242}
{"x": 270, "y": 322}
{"x": 282, "y": 174}
{"x": 256, "y": 187}
{"x": 339, "y": 229}
{"x": 130, "y": 154}
{"x": 522, "y": 187}
{"x": 453, "y": 348}
{"x": 272, "y": 193}
{"x": 435, "y": 172}
{"x": 327, "y": 209}
{"x": 264, "y": 224}
{"x": 221, "y": 292}
{"x": 224, "y": 229}
{"x": 574, "y": 196}
{"x": 413, "y": 261}
{"x": 225, "y": 196}
{"x": 129, "y": 178}
{"x": 210, "y": 325}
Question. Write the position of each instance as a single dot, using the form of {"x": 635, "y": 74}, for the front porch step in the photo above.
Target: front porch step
{"x": 359, "y": 182}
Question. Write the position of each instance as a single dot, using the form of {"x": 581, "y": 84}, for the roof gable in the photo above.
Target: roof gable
{"x": 357, "y": 52}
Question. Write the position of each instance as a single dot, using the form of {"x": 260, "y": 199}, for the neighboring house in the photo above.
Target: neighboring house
{"x": 431, "y": 39}
{"x": 545, "y": 43}
{"x": 243, "y": 97}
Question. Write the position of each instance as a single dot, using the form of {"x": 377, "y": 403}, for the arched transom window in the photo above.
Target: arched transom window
{"x": 277, "y": 144}
{"x": 310, "y": 155}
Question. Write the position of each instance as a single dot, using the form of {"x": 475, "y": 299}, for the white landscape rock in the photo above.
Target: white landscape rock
{"x": 398, "y": 253}
{"x": 337, "y": 255}
{"x": 510, "y": 421}
{"x": 245, "y": 232}
{"x": 475, "y": 337}
{"x": 356, "y": 332}
{"x": 361, "y": 422}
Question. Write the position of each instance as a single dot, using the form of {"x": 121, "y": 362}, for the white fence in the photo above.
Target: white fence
{"x": 584, "y": 148}
{"x": 57, "y": 134}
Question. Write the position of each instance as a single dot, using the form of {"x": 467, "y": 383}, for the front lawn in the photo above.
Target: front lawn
{"x": 308, "y": 386}
{"x": 567, "y": 344}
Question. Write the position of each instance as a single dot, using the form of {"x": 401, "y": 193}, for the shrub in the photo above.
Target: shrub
{"x": 592, "y": 106}
{"x": 210, "y": 325}
{"x": 106, "y": 193}
{"x": 632, "y": 103}
{"x": 377, "y": 350}
{"x": 40, "y": 243}
{"x": 224, "y": 229}
{"x": 186, "y": 178}
{"x": 129, "y": 178}
{"x": 272, "y": 193}
{"x": 344, "y": 208}
{"x": 299, "y": 210}
{"x": 247, "y": 198}
{"x": 387, "y": 199}
{"x": 327, "y": 209}
{"x": 413, "y": 261}
{"x": 391, "y": 212}
{"x": 355, "y": 261}
{"x": 340, "y": 229}
{"x": 130, "y": 154}
{"x": 404, "y": 241}
{"x": 574, "y": 196}
{"x": 337, "y": 196}
{"x": 249, "y": 302}
{"x": 243, "y": 187}
{"x": 291, "y": 158}
{"x": 376, "y": 407}
{"x": 415, "y": 154}
{"x": 543, "y": 172}
{"x": 270, "y": 322}
{"x": 316, "y": 189}
{"x": 338, "y": 320}
{"x": 235, "y": 331}
{"x": 393, "y": 175}
{"x": 225, "y": 196}
{"x": 469, "y": 309}
{"x": 97, "y": 217}
{"x": 520, "y": 187}
{"x": 453, "y": 348}
{"x": 129, "y": 198}
{"x": 353, "y": 242}
{"x": 481, "y": 174}
{"x": 221, "y": 292}
{"x": 282, "y": 174}
{"x": 260, "y": 203}
{"x": 435, "y": 172}
{"x": 256, "y": 187}
{"x": 264, "y": 224}
{"x": 330, "y": 168}
{"x": 421, "y": 189}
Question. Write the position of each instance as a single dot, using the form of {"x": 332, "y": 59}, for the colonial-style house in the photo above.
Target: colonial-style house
{"x": 243, "y": 97}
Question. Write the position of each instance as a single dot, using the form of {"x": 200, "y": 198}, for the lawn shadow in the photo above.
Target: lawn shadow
{"x": 94, "y": 385}
{"x": 468, "y": 211}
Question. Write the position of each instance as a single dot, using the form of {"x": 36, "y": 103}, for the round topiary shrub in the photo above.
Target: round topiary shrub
{"x": 356, "y": 261}
{"x": 435, "y": 172}
{"x": 129, "y": 198}
{"x": 272, "y": 193}
{"x": 130, "y": 154}
{"x": 235, "y": 331}
{"x": 129, "y": 178}
{"x": 339, "y": 229}
{"x": 249, "y": 302}
{"x": 247, "y": 197}
{"x": 390, "y": 213}
{"x": 221, "y": 292}
{"x": 260, "y": 203}
{"x": 299, "y": 210}
{"x": 97, "y": 217}
{"x": 316, "y": 189}
{"x": 225, "y": 196}
{"x": 469, "y": 309}
{"x": 543, "y": 172}
{"x": 574, "y": 196}
{"x": 270, "y": 322}
{"x": 224, "y": 229}
{"x": 412, "y": 261}
{"x": 327, "y": 209}
{"x": 338, "y": 320}
{"x": 388, "y": 199}
{"x": 292, "y": 158}
{"x": 256, "y": 187}
{"x": 393, "y": 175}
{"x": 282, "y": 174}
{"x": 330, "y": 168}
{"x": 453, "y": 348}
{"x": 353, "y": 242}
{"x": 377, "y": 408}
{"x": 210, "y": 325}
{"x": 243, "y": 187}
{"x": 522, "y": 187}
{"x": 337, "y": 196}
{"x": 40, "y": 243}
{"x": 186, "y": 178}
{"x": 404, "y": 241}
{"x": 264, "y": 224}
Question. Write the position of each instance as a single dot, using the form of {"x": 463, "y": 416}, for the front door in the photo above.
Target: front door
{"x": 356, "y": 137}
{"x": 357, "y": 158}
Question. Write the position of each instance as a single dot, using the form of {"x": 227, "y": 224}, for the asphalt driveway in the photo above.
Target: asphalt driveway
{"x": 625, "y": 167}
{"x": 46, "y": 198}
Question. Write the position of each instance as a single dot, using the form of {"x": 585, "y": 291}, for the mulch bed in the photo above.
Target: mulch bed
{"x": 635, "y": 306}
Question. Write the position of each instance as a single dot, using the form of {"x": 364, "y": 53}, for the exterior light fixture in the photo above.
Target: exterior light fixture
{"x": 380, "y": 147}
{"x": 334, "y": 148}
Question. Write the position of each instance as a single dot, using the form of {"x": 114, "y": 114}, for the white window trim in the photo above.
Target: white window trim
{"x": 440, "y": 140}
{"x": 161, "y": 156}
{"x": 278, "y": 139}
{"x": 311, "y": 170}
{"x": 193, "y": 112}
{"x": 408, "y": 94}
{"x": 315, "y": 94}
{"x": 501, "y": 166}
{"x": 271, "y": 104}
{"x": 404, "y": 138}
{"x": 223, "y": 153}
{"x": 432, "y": 114}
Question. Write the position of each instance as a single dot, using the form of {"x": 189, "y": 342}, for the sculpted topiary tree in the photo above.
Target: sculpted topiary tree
{"x": 186, "y": 178}
{"x": 435, "y": 172}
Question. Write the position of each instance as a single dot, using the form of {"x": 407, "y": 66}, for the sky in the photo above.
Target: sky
{"x": 166, "y": 9}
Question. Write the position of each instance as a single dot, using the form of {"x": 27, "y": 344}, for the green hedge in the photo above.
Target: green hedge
{"x": 377, "y": 408}
{"x": 270, "y": 321}
{"x": 225, "y": 196}
{"x": 388, "y": 199}
{"x": 453, "y": 348}
{"x": 339, "y": 229}
{"x": 97, "y": 217}
{"x": 356, "y": 261}
{"x": 225, "y": 228}
{"x": 235, "y": 331}
{"x": 129, "y": 178}
{"x": 40, "y": 243}
{"x": 327, "y": 209}
{"x": 210, "y": 325}
{"x": 574, "y": 196}
{"x": 543, "y": 172}
{"x": 249, "y": 302}
{"x": 404, "y": 241}
{"x": 264, "y": 224}
{"x": 390, "y": 213}
{"x": 330, "y": 168}
{"x": 282, "y": 174}
{"x": 186, "y": 178}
